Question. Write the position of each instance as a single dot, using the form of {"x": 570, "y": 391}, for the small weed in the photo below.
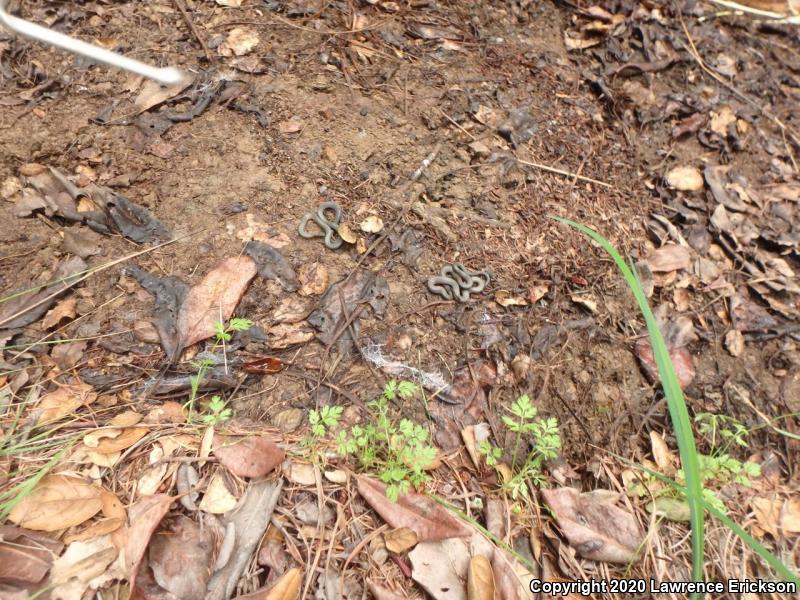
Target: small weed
{"x": 541, "y": 434}
{"x": 222, "y": 336}
{"x": 398, "y": 451}
{"x": 217, "y": 412}
{"x": 321, "y": 422}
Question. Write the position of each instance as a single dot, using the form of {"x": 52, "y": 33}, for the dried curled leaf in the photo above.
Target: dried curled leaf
{"x": 480, "y": 579}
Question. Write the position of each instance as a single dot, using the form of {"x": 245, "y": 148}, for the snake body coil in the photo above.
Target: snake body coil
{"x": 456, "y": 282}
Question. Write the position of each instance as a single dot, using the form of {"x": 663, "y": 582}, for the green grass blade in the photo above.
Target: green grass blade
{"x": 675, "y": 401}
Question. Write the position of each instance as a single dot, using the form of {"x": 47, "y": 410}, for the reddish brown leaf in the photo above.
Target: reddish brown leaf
{"x": 214, "y": 299}
{"x": 25, "y": 556}
{"x": 422, "y": 515}
{"x": 382, "y": 593}
{"x": 144, "y": 516}
{"x": 249, "y": 456}
{"x": 264, "y": 366}
{"x": 681, "y": 360}
{"x": 287, "y": 587}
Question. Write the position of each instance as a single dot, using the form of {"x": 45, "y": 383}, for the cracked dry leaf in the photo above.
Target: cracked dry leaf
{"x": 734, "y": 342}
{"x": 64, "y": 310}
{"x": 425, "y": 517}
{"x": 664, "y": 457}
{"x": 83, "y": 565}
{"x": 57, "y": 502}
{"x": 284, "y": 335}
{"x": 239, "y": 42}
{"x": 214, "y": 299}
{"x": 25, "y": 556}
{"x": 399, "y": 540}
{"x": 594, "y": 526}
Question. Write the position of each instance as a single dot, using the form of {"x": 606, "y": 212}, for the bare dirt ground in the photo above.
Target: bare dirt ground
{"x": 670, "y": 129}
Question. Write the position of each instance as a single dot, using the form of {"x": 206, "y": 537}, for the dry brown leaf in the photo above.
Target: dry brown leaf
{"x": 57, "y": 502}
{"x": 347, "y": 234}
{"x": 125, "y": 440}
{"x": 83, "y": 565}
{"x": 293, "y": 125}
{"x": 25, "y": 556}
{"x": 425, "y": 517}
{"x": 95, "y": 530}
{"x": 253, "y": 456}
{"x": 480, "y": 579}
{"x": 670, "y": 257}
{"x": 721, "y": 119}
{"x": 537, "y": 292}
{"x": 504, "y": 298}
{"x": 399, "y": 540}
{"x": 790, "y": 516}
{"x": 128, "y": 418}
{"x": 313, "y": 279}
{"x": 232, "y": 3}
{"x": 382, "y": 593}
{"x": 767, "y": 511}
{"x": 64, "y": 310}
{"x": 144, "y": 517}
{"x": 64, "y": 401}
{"x": 302, "y": 473}
{"x": 214, "y": 299}
{"x": 594, "y": 526}
{"x": 239, "y": 42}
{"x": 685, "y": 179}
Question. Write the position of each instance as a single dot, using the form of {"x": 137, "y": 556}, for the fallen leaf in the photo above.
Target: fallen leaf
{"x": 594, "y": 526}
{"x": 721, "y": 119}
{"x": 57, "y": 502}
{"x": 63, "y": 401}
{"x": 685, "y": 179}
{"x": 382, "y": 593}
{"x": 480, "y": 579}
{"x": 425, "y": 517}
{"x": 767, "y": 511}
{"x": 537, "y": 292}
{"x": 143, "y": 517}
{"x": 217, "y": 499}
{"x": 441, "y": 567}
{"x": 213, "y": 299}
{"x": 152, "y": 93}
{"x": 399, "y": 540}
{"x": 670, "y": 257}
{"x": 301, "y": 473}
{"x": 64, "y": 310}
{"x": 288, "y": 420}
{"x": 25, "y": 556}
{"x": 182, "y": 557}
{"x": 252, "y": 456}
{"x": 313, "y": 279}
{"x": 127, "y": 438}
{"x": 239, "y": 42}
{"x": 505, "y": 299}
{"x": 291, "y": 310}
{"x": 734, "y": 342}
{"x": 266, "y": 365}
{"x": 346, "y": 233}
{"x": 670, "y": 508}
{"x": 585, "y": 301}
{"x": 232, "y": 3}
{"x": 790, "y": 516}
{"x": 83, "y": 565}
{"x": 372, "y": 224}
{"x": 681, "y": 361}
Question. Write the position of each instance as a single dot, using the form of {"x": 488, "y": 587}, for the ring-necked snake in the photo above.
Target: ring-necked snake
{"x": 329, "y": 229}
{"x": 455, "y": 282}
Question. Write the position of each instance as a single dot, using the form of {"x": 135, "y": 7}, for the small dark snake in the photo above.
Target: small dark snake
{"x": 457, "y": 283}
{"x": 329, "y": 229}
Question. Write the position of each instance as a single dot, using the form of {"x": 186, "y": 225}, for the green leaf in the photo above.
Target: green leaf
{"x": 239, "y": 324}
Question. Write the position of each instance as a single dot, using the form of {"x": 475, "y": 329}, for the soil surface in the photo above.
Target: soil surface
{"x": 447, "y": 132}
